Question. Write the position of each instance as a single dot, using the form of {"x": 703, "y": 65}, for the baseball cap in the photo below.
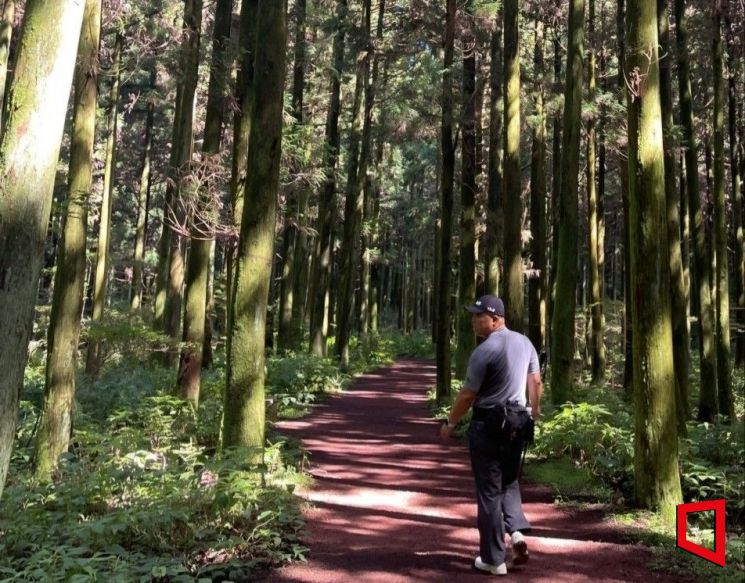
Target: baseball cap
{"x": 488, "y": 303}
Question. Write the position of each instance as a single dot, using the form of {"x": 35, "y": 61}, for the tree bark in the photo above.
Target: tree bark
{"x": 55, "y": 425}
{"x": 538, "y": 280}
{"x": 198, "y": 270}
{"x": 678, "y": 293}
{"x": 327, "y": 203}
{"x": 628, "y": 369}
{"x": 171, "y": 260}
{"x": 657, "y": 478}
{"x": 594, "y": 218}
{"x": 494, "y": 238}
{"x": 724, "y": 367}
{"x": 736, "y": 161}
{"x": 446, "y": 209}
{"x": 555, "y": 188}
{"x": 6, "y": 35}
{"x": 708, "y": 406}
{"x": 513, "y": 263}
{"x": 562, "y": 320}
{"x": 244, "y": 418}
{"x": 93, "y": 361}
{"x": 29, "y": 149}
{"x": 241, "y": 129}
{"x": 293, "y": 246}
{"x": 359, "y": 152}
{"x": 135, "y": 301}
{"x": 467, "y": 255}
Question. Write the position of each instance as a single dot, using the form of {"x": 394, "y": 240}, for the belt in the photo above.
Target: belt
{"x": 484, "y": 413}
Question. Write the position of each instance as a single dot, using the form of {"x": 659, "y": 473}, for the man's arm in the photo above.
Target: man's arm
{"x": 535, "y": 390}
{"x": 462, "y": 404}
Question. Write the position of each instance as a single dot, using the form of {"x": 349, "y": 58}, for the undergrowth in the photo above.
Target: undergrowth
{"x": 145, "y": 492}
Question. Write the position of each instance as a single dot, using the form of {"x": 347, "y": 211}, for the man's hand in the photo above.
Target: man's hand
{"x": 446, "y": 431}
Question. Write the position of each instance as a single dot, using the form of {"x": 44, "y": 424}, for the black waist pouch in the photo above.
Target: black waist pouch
{"x": 507, "y": 422}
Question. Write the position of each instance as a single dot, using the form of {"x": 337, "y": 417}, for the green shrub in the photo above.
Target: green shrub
{"x": 295, "y": 380}
{"x": 584, "y": 432}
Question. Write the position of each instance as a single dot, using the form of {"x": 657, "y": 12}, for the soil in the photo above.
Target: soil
{"x": 392, "y": 503}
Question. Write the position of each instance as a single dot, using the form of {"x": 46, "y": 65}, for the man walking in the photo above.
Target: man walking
{"x": 499, "y": 371}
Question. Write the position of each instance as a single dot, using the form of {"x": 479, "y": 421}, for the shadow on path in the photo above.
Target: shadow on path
{"x": 392, "y": 503}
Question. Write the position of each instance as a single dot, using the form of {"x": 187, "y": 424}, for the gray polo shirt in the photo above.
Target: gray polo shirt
{"x": 498, "y": 369}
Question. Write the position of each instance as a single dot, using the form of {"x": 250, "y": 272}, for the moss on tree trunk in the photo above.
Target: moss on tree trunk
{"x": 513, "y": 263}
{"x": 495, "y": 220}
{"x": 198, "y": 269}
{"x": 681, "y": 338}
{"x": 243, "y": 421}
{"x": 55, "y": 426}
{"x": 104, "y": 230}
{"x": 562, "y": 319}
{"x": 29, "y": 150}
{"x": 656, "y": 473}
{"x": 708, "y": 406}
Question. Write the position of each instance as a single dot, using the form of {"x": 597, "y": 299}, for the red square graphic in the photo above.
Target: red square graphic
{"x": 716, "y": 556}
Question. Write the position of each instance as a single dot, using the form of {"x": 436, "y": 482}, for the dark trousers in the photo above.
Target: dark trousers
{"x": 495, "y": 465}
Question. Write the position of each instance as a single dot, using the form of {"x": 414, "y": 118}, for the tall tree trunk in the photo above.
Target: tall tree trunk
{"x": 495, "y": 221}
{"x": 29, "y": 149}
{"x": 183, "y": 150}
{"x": 55, "y": 425}
{"x": 724, "y": 367}
{"x": 628, "y": 369}
{"x": 708, "y": 407}
{"x": 467, "y": 255}
{"x": 6, "y": 35}
{"x": 198, "y": 270}
{"x": 597, "y": 349}
{"x": 562, "y": 320}
{"x": 537, "y": 286}
{"x": 446, "y": 208}
{"x": 678, "y": 297}
{"x": 244, "y": 418}
{"x": 370, "y": 179}
{"x": 513, "y": 263}
{"x": 657, "y": 478}
{"x": 241, "y": 129}
{"x": 359, "y": 152}
{"x": 555, "y": 188}
{"x": 736, "y": 161}
{"x": 290, "y": 317}
{"x": 143, "y": 205}
{"x": 104, "y": 230}
{"x": 327, "y": 202}
{"x": 376, "y": 279}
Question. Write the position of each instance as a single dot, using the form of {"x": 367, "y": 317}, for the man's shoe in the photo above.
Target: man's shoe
{"x": 520, "y": 554}
{"x": 493, "y": 569}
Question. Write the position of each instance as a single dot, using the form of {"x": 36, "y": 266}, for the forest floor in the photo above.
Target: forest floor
{"x": 392, "y": 503}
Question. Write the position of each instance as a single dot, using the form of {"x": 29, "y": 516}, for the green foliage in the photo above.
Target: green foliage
{"x": 143, "y": 495}
{"x": 295, "y": 381}
{"x": 713, "y": 466}
{"x": 591, "y": 436}
{"x": 125, "y": 336}
{"x": 383, "y": 348}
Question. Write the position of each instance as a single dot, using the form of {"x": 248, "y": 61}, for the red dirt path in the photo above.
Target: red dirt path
{"x": 392, "y": 503}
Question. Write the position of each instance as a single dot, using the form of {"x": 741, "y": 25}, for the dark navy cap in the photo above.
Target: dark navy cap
{"x": 488, "y": 303}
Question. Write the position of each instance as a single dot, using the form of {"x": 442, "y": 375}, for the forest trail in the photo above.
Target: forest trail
{"x": 392, "y": 503}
